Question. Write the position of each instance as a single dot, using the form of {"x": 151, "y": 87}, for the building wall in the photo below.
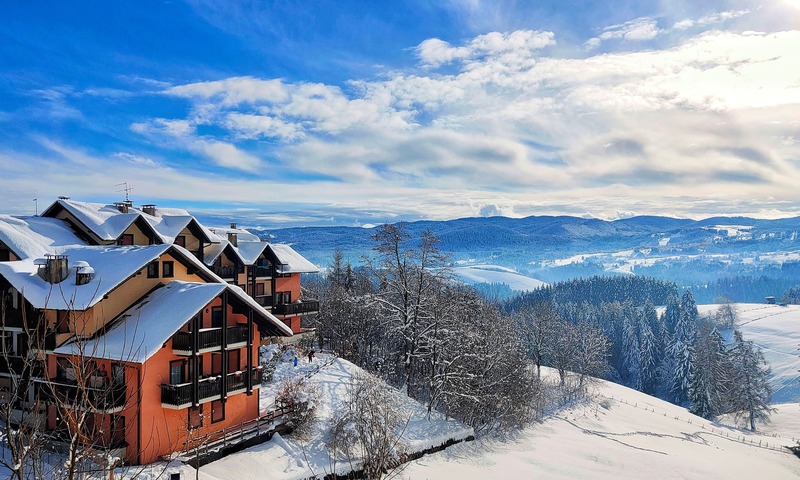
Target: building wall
{"x": 121, "y": 298}
{"x": 165, "y": 430}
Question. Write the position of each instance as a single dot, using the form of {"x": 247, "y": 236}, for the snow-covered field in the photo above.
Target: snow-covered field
{"x": 620, "y": 433}
{"x": 496, "y": 274}
{"x": 292, "y": 458}
{"x": 776, "y": 330}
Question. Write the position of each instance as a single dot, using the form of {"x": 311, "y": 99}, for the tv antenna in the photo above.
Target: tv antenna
{"x": 36, "y": 202}
{"x": 125, "y": 188}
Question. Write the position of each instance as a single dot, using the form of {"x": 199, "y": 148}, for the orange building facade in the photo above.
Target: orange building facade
{"x": 148, "y": 323}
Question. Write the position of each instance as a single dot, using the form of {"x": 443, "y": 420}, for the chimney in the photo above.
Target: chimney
{"x": 122, "y": 206}
{"x": 83, "y": 272}
{"x": 53, "y": 268}
{"x": 233, "y": 237}
{"x": 63, "y": 197}
{"x": 149, "y": 209}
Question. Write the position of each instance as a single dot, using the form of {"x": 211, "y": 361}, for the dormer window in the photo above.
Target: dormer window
{"x": 180, "y": 240}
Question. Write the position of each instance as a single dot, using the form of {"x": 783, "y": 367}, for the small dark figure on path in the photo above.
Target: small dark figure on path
{"x": 310, "y": 356}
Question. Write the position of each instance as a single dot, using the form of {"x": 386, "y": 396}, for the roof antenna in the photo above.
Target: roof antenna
{"x": 36, "y": 202}
{"x": 125, "y": 188}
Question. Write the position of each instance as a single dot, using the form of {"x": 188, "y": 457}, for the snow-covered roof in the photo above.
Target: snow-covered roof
{"x": 241, "y": 234}
{"x": 33, "y": 237}
{"x": 112, "y": 266}
{"x": 289, "y": 261}
{"x": 105, "y": 221}
{"x": 170, "y": 222}
{"x": 250, "y": 251}
{"x": 214, "y": 250}
{"x": 142, "y": 330}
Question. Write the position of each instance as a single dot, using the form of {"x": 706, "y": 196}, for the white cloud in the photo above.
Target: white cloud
{"x": 708, "y": 122}
{"x": 710, "y": 19}
{"x": 227, "y": 155}
{"x": 435, "y": 52}
{"x": 640, "y": 29}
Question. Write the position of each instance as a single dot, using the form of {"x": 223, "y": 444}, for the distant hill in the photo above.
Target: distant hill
{"x": 552, "y": 248}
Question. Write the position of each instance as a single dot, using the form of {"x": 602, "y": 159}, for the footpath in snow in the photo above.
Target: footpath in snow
{"x": 619, "y": 433}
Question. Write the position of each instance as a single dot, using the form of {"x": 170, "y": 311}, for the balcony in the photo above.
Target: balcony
{"x": 17, "y": 365}
{"x": 97, "y": 398}
{"x": 228, "y": 272}
{"x": 304, "y": 307}
{"x": 263, "y": 271}
{"x": 180, "y": 395}
{"x": 237, "y": 381}
{"x": 209, "y": 339}
{"x": 264, "y": 300}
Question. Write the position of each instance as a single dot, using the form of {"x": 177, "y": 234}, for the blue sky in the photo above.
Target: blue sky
{"x": 345, "y": 112}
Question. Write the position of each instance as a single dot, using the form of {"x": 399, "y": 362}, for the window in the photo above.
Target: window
{"x": 176, "y": 372}
{"x": 152, "y": 269}
{"x": 196, "y": 416}
{"x": 125, "y": 239}
{"x": 7, "y": 342}
{"x": 260, "y": 289}
{"x": 217, "y": 411}
{"x": 118, "y": 374}
{"x": 233, "y": 360}
{"x": 63, "y": 321}
{"x": 216, "y": 317}
{"x": 168, "y": 269}
{"x": 117, "y": 430}
{"x": 181, "y": 240}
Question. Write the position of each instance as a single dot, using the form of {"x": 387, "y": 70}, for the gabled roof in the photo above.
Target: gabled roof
{"x": 33, "y": 237}
{"x": 214, "y": 250}
{"x": 105, "y": 221}
{"x": 250, "y": 251}
{"x": 143, "y": 329}
{"x": 112, "y": 266}
{"x": 287, "y": 260}
{"x": 170, "y": 222}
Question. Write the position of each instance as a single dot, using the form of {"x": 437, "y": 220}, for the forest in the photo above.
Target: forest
{"x": 400, "y": 316}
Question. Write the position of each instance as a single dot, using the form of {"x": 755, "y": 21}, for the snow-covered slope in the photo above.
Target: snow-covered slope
{"x": 618, "y": 434}
{"x": 496, "y": 274}
{"x": 776, "y": 330}
{"x": 291, "y": 458}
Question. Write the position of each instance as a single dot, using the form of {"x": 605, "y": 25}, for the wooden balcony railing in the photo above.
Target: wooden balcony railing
{"x": 209, "y": 338}
{"x": 180, "y": 395}
{"x": 95, "y": 398}
{"x": 306, "y": 306}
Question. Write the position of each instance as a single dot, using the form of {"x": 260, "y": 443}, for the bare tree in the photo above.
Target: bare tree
{"x": 369, "y": 429}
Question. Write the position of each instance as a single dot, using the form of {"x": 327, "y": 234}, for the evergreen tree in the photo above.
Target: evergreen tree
{"x": 748, "y": 390}
{"x": 649, "y": 354}
{"x": 681, "y": 348}
{"x": 672, "y": 314}
{"x": 707, "y": 373}
{"x": 631, "y": 354}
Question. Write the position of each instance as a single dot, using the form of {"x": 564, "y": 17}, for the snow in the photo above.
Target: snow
{"x": 663, "y": 242}
{"x": 288, "y": 457}
{"x": 144, "y": 328}
{"x": 776, "y": 330}
{"x": 33, "y": 237}
{"x": 291, "y": 261}
{"x": 620, "y": 433}
{"x": 106, "y": 221}
{"x": 250, "y": 251}
{"x": 112, "y": 266}
{"x": 496, "y": 274}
